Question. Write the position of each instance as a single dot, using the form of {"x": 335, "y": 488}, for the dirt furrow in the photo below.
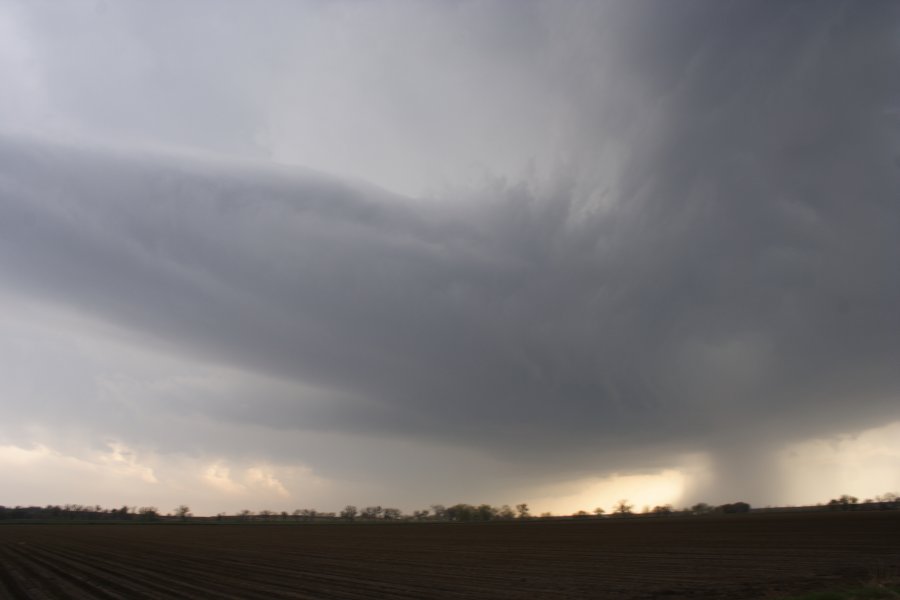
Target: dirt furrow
{"x": 252, "y": 580}
{"x": 42, "y": 583}
{"x": 92, "y": 582}
{"x": 13, "y": 578}
{"x": 707, "y": 559}
{"x": 122, "y": 574}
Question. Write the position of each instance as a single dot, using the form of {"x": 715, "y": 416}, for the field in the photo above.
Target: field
{"x": 735, "y": 556}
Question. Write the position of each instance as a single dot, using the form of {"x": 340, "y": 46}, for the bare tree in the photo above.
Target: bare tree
{"x": 392, "y": 514}
{"x": 522, "y": 511}
{"x": 349, "y": 513}
{"x": 888, "y": 501}
{"x": 308, "y": 514}
{"x": 148, "y": 513}
{"x": 371, "y": 512}
{"x": 845, "y": 502}
{"x": 622, "y": 508}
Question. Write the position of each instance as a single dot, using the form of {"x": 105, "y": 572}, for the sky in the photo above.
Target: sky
{"x": 294, "y": 255}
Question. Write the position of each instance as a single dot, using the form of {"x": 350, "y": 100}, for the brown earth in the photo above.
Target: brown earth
{"x": 734, "y": 556}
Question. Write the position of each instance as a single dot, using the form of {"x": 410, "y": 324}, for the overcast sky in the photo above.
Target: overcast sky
{"x": 304, "y": 254}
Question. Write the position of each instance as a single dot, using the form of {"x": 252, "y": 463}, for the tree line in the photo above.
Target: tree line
{"x": 459, "y": 513}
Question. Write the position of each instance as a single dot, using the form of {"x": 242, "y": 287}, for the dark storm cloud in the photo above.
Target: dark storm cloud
{"x": 712, "y": 266}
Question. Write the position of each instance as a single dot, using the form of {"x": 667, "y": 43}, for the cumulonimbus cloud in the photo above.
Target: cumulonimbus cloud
{"x": 714, "y": 255}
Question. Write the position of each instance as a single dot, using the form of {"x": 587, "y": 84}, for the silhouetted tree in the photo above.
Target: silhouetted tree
{"x": 734, "y": 507}
{"x": 391, "y": 514}
{"x": 701, "y": 508}
{"x": 599, "y": 511}
{"x": 461, "y": 512}
{"x": 485, "y": 512}
{"x": 888, "y": 501}
{"x": 148, "y": 513}
{"x": 308, "y": 514}
{"x": 622, "y": 508}
{"x": 522, "y": 511}
{"x": 371, "y": 512}
{"x": 845, "y": 502}
{"x": 349, "y": 513}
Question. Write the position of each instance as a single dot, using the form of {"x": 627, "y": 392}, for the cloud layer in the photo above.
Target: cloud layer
{"x": 680, "y": 235}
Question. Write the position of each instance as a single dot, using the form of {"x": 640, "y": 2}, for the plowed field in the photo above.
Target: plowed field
{"x": 739, "y": 556}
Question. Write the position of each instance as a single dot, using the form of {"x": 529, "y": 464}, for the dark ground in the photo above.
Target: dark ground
{"x": 734, "y": 556}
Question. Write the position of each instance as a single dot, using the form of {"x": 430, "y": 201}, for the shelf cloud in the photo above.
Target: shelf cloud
{"x": 544, "y": 241}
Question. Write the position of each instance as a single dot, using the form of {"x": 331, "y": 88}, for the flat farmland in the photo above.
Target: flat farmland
{"x": 736, "y": 556}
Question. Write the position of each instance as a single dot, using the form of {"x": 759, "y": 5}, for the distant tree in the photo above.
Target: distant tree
{"x": 391, "y": 514}
{"x": 522, "y": 511}
{"x": 888, "y": 501}
{"x": 622, "y": 508}
{"x": 245, "y": 515}
{"x": 440, "y": 512}
{"x": 581, "y": 514}
{"x": 349, "y": 513}
{"x": 506, "y": 513}
{"x": 546, "y": 515}
{"x": 371, "y": 512}
{"x": 148, "y": 513}
{"x": 701, "y": 508}
{"x": 485, "y": 512}
{"x": 421, "y": 515}
{"x": 663, "y": 510}
{"x": 182, "y": 511}
{"x": 599, "y": 511}
{"x": 308, "y": 514}
{"x": 266, "y": 515}
{"x": 296, "y": 513}
{"x": 734, "y": 507}
{"x": 284, "y": 515}
{"x": 462, "y": 512}
{"x": 845, "y": 502}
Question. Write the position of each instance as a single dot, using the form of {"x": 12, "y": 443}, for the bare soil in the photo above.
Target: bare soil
{"x": 733, "y": 556}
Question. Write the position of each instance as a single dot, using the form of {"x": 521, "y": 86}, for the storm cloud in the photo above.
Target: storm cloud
{"x": 599, "y": 237}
